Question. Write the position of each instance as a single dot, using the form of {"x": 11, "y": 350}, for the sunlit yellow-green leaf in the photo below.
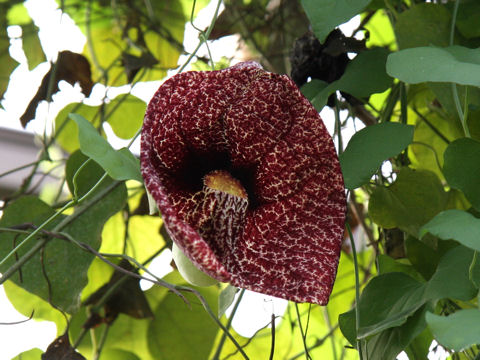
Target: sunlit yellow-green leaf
{"x": 32, "y": 46}
{"x": 380, "y": 31}
{"x": 66, "y": 129}
{"x": 26, "y": 303}
{"x": 125, "y": 115}
{"x": 7, "y": 64}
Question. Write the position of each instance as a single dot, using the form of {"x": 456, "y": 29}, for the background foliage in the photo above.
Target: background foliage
{"x": 412, "y": 172}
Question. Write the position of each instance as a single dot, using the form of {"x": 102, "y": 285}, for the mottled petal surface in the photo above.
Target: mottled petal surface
{"x": 255, "y": 128}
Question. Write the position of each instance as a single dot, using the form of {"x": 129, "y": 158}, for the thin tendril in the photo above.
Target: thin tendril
{"x": 357, "y": 289}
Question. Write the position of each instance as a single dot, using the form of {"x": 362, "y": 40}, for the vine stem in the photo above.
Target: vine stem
{"x": 272, "y": 346}
{"x": 19, "y": 168}
{"x": 229, "y": 324}
{"x": 204, "y": 38}
{"x": 103, "y": 338}
{"x": 329, "y": 324}
{"x": 357, "y": 288}
{"x": 27, "y": 256}
{"x": 214, "y": 317}
{"x": 318, "y": 342}
{"x": 307, "y": 355}
{"x": 338, "y": 126}
{"x": 462, "y": 114}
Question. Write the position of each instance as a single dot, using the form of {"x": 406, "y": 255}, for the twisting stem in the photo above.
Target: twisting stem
{"x": 462, "y": 114}
{"x": 229, "y": 324}
{"x": 318, "y": 342}
{"x": 338, "y": 126}
{"x": 431, "y": 126}
{"x": 19, "y": 168}
{"x": 103, "y": 338}
{"x": 202, "y": 36}
{"x": 307, "y": 355}
{"x": 214, "y": 317}
{"x": 20, "y": 321}
{"x": 357, "y": 289}
{"x": 454, "y": 20}
{"x": 206, "y": 36}
{"x": 111, "y": 290}
{"x": 272, "y": 347}
{"x": 329, "y": 324}
{"x": 80, "y": 338}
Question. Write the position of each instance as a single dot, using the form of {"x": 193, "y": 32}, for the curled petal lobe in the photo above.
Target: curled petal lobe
{"x": 247, "y": 180}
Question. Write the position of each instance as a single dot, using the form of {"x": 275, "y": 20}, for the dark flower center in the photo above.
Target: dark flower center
{"x": 200, "y": 165}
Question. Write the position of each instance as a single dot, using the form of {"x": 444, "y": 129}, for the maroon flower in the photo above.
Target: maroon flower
{"x": 247, "y": 180}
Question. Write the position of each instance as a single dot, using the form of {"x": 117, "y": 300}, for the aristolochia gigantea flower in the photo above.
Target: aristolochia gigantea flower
{"x": 247, "y": 180}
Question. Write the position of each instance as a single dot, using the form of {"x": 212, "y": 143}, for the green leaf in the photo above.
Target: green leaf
{"x": 426, "y": 151}
{"x": 325, "y": 15}
{"x": 423, "y": 258}
{"x": 143, "y": 240}
{"x": 61, "y": 259}
{"x": 389, "y": 343}
{"x": 25, "y": 302}
{"x": 380, "y": 29}
{"x": 313, "y": 88}
{"x": 117, "y": 354}
{"x": 120, "y": 165}
{"x": 32, "y": 46}
{"x": 129, "y": 334}
{"x": 33, "y": 354}
{"x": 126, "y": 333}
{"x": 387, "y": 264}
{"x": 387, "y": 301}
{"x": 364, "y": 75}
{"x": 174, "y": 15}
{"x": 423, "y": 25}
{"x": 66, "y": 130}
{"x": 420, "y": 346}
{"x": 7, "y": 64}
{"x": 18, "y": 15}
{"x": 369, "y": 147}
{"x": 462, "y": 168}
{"x": 347, "y": 324}
{"x": 225, "y": 299}
{"x": 451, "y": 279}
{"x": 474, "y": 270}
{"x": 397, "y": 205}
{"x": 189, "y": 271}
{"x": 443, "y": 93}
{"x": 456, "y": 64}
{"x": 467, "y": 19}
{"x": 392, "y": 305}
{"x": 182, "y": 331}
{"x": 32, "y": 210}
{"x": 456, "y": 331}
{"x": 144, "y": 236}
{"x": 127, "y": 117}
{"x": 457, "y": 225}
{"x": 109, "y": 40}
{"x": 91, "y": 172}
